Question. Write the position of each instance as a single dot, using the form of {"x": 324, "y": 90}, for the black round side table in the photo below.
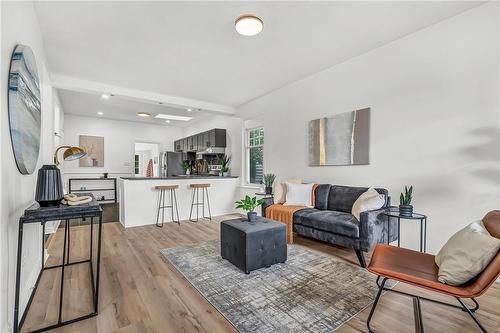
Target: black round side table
{"x": 394, "y": 212}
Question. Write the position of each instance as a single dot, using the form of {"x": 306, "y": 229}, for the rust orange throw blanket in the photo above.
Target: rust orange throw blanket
{"x": 284, "y": 214}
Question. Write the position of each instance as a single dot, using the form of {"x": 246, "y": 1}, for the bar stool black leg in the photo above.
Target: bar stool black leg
{"x": 197, "y": 201}
{"x": 208, "y": 204}
{"x": 158, "y": 213}
{"x": 203, "y": 203}
{"x": 172, "y": 204}
{"x": 163, "y": 208}
{"x": 192, "y": 204}
{"x": 176, "y": 208}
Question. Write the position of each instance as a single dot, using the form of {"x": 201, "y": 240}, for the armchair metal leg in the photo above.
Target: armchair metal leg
{"x": 471, "y": 313}
{"x": 361, "y": 258}
{"x": 381, "y": 288}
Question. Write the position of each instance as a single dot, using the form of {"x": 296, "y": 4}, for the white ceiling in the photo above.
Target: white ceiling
{"x": 120, "y": 108}
{"x": 191, "y": 50}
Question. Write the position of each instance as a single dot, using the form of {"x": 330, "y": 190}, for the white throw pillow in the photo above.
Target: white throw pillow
{"x": 279, "y": 191}
{"x": 369, "y": 200}
{"x": 466, "y": 254}
{"x": 298, "y": 195}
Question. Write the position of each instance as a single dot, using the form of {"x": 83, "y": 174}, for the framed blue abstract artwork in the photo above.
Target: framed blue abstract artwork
{"x": 25, "y": 116}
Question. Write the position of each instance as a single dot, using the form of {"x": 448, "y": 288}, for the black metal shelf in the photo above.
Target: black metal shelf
{"x": 109, "y": 200}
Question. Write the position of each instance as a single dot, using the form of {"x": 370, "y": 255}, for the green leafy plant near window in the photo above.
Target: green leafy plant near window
{"x": 268, "y": 182}
{"x": 249, "y": 204}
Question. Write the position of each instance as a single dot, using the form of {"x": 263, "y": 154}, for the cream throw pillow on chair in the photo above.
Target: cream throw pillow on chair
{"x": 466, "y": 254}
{"x": 369, "y": 200}
{"x": 279, "y": 191}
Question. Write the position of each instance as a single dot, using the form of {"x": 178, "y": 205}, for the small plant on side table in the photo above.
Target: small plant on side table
{"x": 268, "y": 182}
{"x": 249, "y": 204}
{"x": 405, "y": 207}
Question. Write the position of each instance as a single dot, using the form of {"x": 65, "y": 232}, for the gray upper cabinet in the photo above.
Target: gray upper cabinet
{"x": 215, "y": 138}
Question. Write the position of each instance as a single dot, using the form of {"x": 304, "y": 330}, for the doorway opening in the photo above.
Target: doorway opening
{"x": 146, "y": 156}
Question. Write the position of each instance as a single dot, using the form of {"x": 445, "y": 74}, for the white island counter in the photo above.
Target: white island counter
{"x": 139, "y": 198}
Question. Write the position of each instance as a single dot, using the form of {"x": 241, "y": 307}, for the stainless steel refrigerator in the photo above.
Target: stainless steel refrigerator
{"x": 170, "y": 163}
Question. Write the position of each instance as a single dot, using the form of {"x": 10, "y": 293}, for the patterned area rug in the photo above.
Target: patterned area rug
{"x": 308, "y": 293}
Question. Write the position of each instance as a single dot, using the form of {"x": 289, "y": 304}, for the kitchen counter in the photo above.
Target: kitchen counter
{"x": 139, "y": 198}
{"x": 180, "y": 177}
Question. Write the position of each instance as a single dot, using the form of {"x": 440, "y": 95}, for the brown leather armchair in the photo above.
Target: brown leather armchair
{"x": 419, "y": 269}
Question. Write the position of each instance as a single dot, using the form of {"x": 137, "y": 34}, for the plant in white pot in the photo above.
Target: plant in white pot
{"x": 226, "y": 159}
{"x": 186, "y": 166}
{"x": 249, "y": 204}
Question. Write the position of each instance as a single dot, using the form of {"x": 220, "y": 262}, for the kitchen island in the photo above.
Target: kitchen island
{"x": 139, "y": 198}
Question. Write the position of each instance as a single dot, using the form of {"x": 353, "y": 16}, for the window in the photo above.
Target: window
{"x": 136, "y": 164}
{"x": 255, "y": 155}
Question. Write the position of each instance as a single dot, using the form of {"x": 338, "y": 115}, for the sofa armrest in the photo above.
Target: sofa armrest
{"x": 268, "y": 201}
{"x": 373, "y": 228}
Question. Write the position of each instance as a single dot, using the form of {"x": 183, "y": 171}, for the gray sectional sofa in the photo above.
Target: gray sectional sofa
{"x": 331, "y": 220}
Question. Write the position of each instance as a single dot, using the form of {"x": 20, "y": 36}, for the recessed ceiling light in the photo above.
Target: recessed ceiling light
{"x": 173, "y": 117}
{"x": 105, "y": 96}
{"x": 143, "y": 114}
{"x": 167, "y": 121}
{"x": 100, "y": 113}
{"x": 189, "y": 110}
{"x": 248, "y": 25}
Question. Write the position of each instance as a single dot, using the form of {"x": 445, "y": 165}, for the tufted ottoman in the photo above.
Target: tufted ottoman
{"x": 253, "y": 245}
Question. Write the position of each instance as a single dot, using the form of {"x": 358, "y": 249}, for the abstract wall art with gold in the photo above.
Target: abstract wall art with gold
{"x": 342, "y": 139}
{"x": 94, "y": 147}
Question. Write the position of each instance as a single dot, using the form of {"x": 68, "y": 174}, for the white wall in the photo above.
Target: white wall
{"x": 233, "y": 126}
{"x": 434, "y": 97}
{"x": 119, "y": 138}
{"x": 19, "y": 25}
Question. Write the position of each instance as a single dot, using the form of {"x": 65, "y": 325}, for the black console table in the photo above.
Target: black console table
{"x": 37, "y": 214}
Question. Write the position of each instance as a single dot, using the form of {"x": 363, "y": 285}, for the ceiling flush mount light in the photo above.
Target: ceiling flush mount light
{"x": 248, "y": 24}
{"x": 189, "y": 110}
{"x": 105, "y": 96}
{"x": 144, "y": 114}
{"x": 100, "y": 113}
{"x": 167, "y": 121}
{"x": 172, "y": 117}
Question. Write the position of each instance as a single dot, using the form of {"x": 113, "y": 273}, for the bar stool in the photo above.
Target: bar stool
{"x": 161, "y": 203}
{"x": 204, "y": 191}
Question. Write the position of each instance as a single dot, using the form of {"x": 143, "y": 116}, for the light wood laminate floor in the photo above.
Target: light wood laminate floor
{"x": 142, "y": 293}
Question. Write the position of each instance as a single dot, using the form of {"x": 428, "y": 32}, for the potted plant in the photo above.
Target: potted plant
{"x": 405, "y": 207}
{"x": 249, "y": 204}
{"x": 268, "y": 182}
{"x": 226, "y": 159}
{"x": 186, "y": 166}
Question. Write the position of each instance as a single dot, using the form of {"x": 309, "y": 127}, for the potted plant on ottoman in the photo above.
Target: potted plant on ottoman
{"x": 249, "y": 204}
{"x": 268, "y": 182}
{"x": 405, "y": 207}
